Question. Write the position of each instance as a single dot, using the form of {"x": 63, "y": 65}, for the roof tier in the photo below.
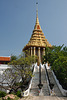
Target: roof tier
{"x": 37, "y": 38}
{"x": 5, "y": 58}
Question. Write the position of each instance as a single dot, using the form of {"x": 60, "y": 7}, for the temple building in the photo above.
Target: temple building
{"x": 5, "y": 60}
{"x": 37, "y": 43}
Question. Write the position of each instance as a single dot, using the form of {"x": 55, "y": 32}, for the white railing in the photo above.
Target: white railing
{"x": 63, "y": 91}
{"x": 26, "y": 92}
{"x": 47, "y": 79}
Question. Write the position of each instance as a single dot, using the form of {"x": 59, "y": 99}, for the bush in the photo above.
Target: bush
{"x": 57, "y": 57}
{"x": 9, "y": 98}
{"x": 2, "y": 94}
{"x": 18, "y": 93}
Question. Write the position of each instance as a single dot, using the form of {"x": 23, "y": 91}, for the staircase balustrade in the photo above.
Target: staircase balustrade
{"x": 40, "y": 85}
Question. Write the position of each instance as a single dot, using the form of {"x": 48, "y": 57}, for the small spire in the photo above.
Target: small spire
{"x": 36, "y": 8}
{"x": 37, "y": 25}
{"x": 37, "y": 21}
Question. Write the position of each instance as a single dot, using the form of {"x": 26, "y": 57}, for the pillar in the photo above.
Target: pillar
{"x": 31, "y": 51}
{"x": 44, "y": 54}
{"x": 43, "y": 51}
{"x": 39, "y": 55}
{"x": 34, "y": 54}
{"x": 34, "y": 51}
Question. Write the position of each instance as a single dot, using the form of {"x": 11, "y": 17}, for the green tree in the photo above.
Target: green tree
{"x": 57, "y": 57}
{"x": 13, "y": 57}
{"x": 19, "y": 73}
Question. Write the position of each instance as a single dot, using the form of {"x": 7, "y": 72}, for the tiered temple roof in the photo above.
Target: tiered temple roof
{"x": 37, "y": 39}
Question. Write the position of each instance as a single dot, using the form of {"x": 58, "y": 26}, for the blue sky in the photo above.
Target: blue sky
{"x": 17, "y": 20}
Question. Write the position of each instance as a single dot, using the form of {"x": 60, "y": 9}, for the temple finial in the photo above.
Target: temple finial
{"x": 37, "y": 9}
{"x": 37, "y": 25}
{"x": 37, "y": 21}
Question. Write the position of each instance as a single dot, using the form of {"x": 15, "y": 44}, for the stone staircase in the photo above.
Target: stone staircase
{"x": 43, "y": 98}
{"x": 52, "y": 80}
{"x": 35, "y": 81}
{"x": 45, "y": 91}
{"x": 34, "y": 88}
{"x": 44, "y": 82}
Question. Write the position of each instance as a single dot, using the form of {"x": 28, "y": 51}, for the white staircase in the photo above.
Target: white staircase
{"x": 34, "y": 88}
{"x": 45, "y": 89}
{"x": 52, "y": 80}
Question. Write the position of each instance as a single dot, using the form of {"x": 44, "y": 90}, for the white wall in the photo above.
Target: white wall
{"x": 3, "y": 67}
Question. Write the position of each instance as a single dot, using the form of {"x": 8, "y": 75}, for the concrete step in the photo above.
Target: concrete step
{"x": 34, "y": 86}
{"x": 35, "y": 82}
{"x": 44, "y": 82}
{"x": 52, "y": 80}
{"x": 43, "y": 98}
{"x": 45, "y": 90}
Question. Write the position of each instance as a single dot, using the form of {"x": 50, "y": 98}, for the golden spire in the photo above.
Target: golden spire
{"x": 37, "y": 25}
{"x": 37, "y": 38}
{"x": 37, "y": 20}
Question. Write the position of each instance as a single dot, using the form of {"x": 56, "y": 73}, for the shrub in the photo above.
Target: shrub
{"x": 9, "y": 98}
{"x": 2, "y": 94}
{"x": 18, "y": 93}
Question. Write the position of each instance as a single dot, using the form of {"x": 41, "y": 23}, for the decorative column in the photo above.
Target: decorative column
{"x": 34, "y": 51}
{"x": 44, "y": 55}
{"x": 43, "y": 51}
{"x": 31, "y": 51}
{"x": 34, "y": 54}
{"x": 39, "y": 55}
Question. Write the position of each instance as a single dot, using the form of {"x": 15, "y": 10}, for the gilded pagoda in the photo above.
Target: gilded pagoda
{"x": 37, "y": 43}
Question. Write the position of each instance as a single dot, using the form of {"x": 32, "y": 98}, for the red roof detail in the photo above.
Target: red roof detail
{"x": 4, "y": 58}
{"x": 38, "y": 27}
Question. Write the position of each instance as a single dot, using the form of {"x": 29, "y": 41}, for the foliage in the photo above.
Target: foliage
{"x": 2, "y": 94}
{"x": 19, "y": 73}
{"x": 13, "y": 57}
{"x": 57, "y": 57}
{"x": 9, "y": 98}
{"x": 18, "y": 93}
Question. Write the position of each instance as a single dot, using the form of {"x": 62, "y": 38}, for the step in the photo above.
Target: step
{"x": 52, "y": 80}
